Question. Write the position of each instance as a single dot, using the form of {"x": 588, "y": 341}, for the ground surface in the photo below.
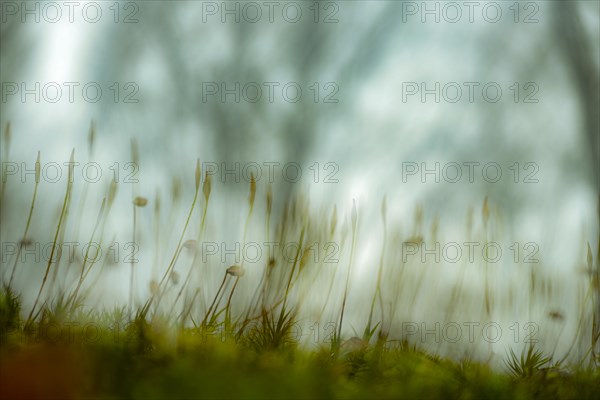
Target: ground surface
{"x": 104, "y": 360}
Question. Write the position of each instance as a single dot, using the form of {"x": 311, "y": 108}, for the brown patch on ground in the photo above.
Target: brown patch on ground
{"x": 41, "y": 372}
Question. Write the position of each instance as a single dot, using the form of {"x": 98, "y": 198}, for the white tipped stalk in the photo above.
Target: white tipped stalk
{"x": 236, "y": 270}
{"x": 190, "y": 244}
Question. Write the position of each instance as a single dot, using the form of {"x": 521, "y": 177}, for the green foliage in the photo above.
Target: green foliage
{"x": 272, "y": 332}
{"x": 139, "y": 361}
{"x": 528, "y": 364}
{"x": 10, "y": 307}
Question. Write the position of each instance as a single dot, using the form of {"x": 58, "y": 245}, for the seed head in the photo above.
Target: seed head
{"x": 135, "y": 153}
{"x": 37, "y": 169}
{"x": 470, "y": 220}
{"x": 485, "y": 211}
{"x": 176, "y": 189}
{"x": 416, "y": 239}
{"x": 419, "y": 216}
{"x": 269, "y": 199}
{"x": 556, "y": 315}
{"x": 154, "y": 288}
{"x": 305, "y": 257}
{"x": 25, "y": 242}
{"x": 206, "y": 187}
{"x": 92, "y": 136}
{"x": 198, "y": 175}
{"x": 236, "y": 270}
{"x": 71, "y": 166}
{"x": 140, "y": 201}
{"x": 157, "y": 203}
{"x": 7, "y": 135}
{"x": 252, "y": 190}
{"x": 190, "y": 244}
{"x": 333, "y": 220}
{"x": 435, "y": 224}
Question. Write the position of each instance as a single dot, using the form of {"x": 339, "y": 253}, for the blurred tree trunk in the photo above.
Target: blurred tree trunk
{"x": 578, "y": 51}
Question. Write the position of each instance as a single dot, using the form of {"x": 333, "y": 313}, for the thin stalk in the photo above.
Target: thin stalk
{"x": 227, "y": 311}
{"x": 7, "y": 137}
{"x": 580, "y": 322}
{"x": 156, "y": 235}
{"x": 214, "y": 301}
{"x": 187, "y": 222}
{"x": 35, "y": 189}
{"x": 131, "y": 280}
{"x": 186, "y": 312}
{"x": 102, "y": 268}
{"x": 86, "y": 186}
{"x": 86, "y": 258}
{"x": 339, "y": 333}
{"x": 161, "y": 290}
{"x": 196, "y": 253}
{"x": 215, "y": 311}
{"x": 237, "y": 278}
{"x": 135, "y": 158}
{"x": 328, "y": 294}
{"x": 175, "y": 256}
{"x": 287, "y": 289}
{"x": 332, "y": 277}
{"x": 377, "y": 293}
{"x": 58, "y": 229}
{"x": 111, "y": 196}
{"x": 61, "y": 240}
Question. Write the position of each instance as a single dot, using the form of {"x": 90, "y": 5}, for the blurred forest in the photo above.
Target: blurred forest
{"x": 171, "y": 50}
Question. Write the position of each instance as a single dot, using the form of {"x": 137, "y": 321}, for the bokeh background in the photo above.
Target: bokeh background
{"x": 364, "y": 55}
